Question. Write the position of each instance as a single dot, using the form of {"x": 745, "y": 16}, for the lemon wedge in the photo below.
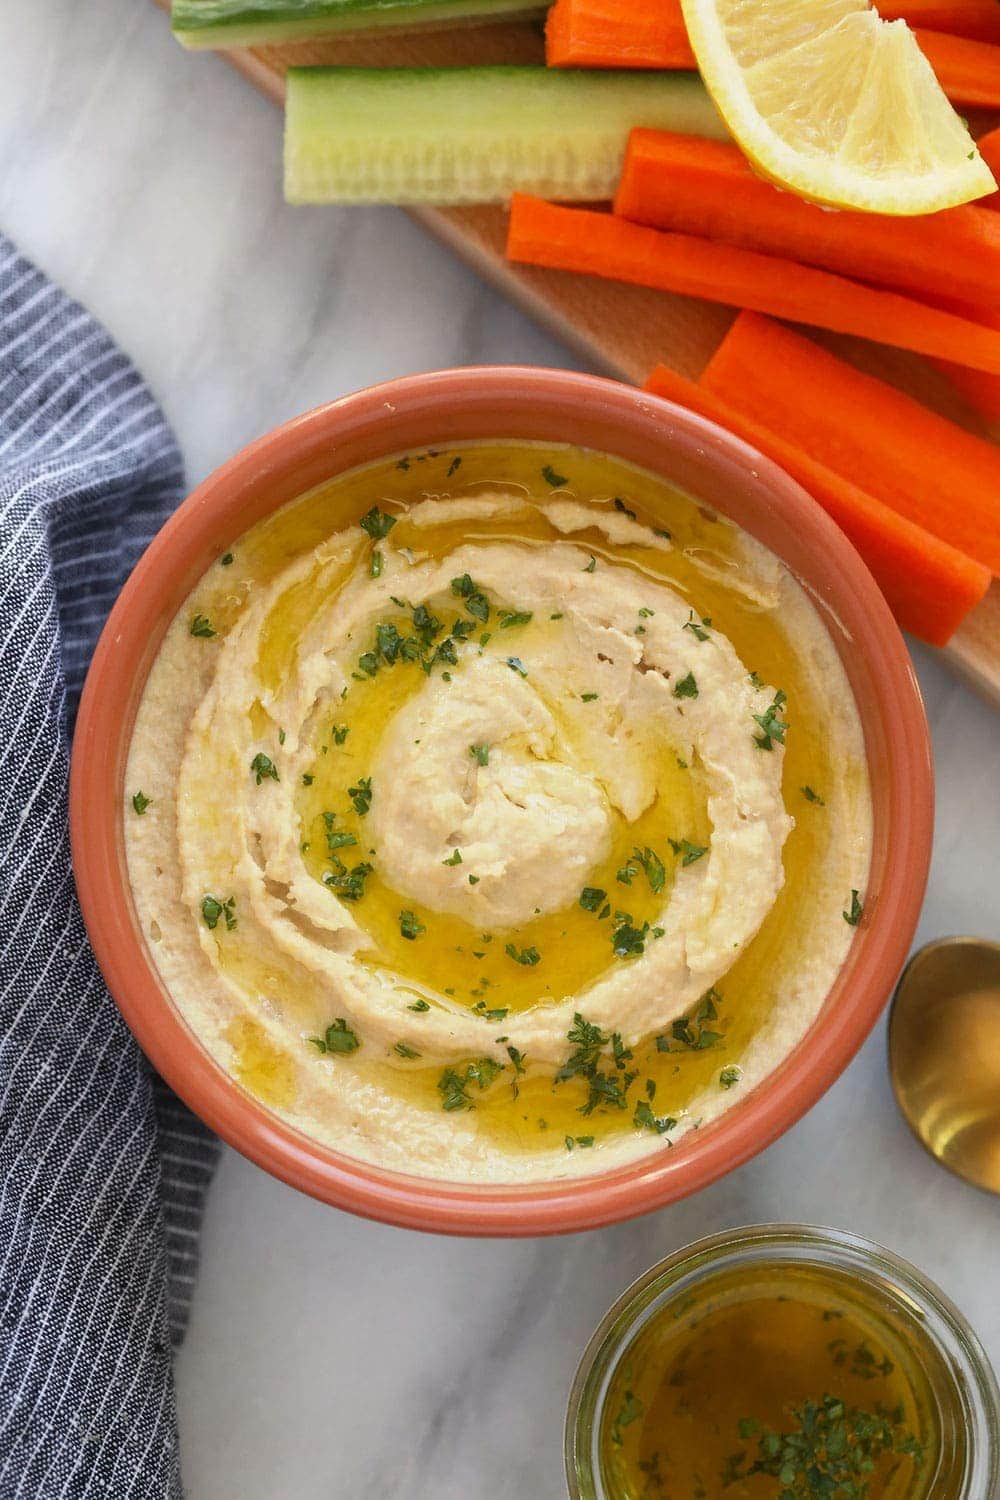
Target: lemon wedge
{"x": 829, "y": 100}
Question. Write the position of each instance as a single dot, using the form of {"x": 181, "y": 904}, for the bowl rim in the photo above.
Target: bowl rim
{"x": 199, "y": 526}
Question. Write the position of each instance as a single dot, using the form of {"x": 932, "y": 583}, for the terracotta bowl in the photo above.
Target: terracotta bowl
{"x": 551, "y": 406}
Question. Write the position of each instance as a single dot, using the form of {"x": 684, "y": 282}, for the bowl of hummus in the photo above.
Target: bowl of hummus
{"x": 501, "y": 802}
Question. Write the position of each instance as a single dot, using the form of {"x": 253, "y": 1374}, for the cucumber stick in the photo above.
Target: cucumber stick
{"x": 475, "y": 135}
{"x": 249, "y": 23}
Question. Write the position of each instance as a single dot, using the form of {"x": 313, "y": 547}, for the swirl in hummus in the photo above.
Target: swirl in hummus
{"x": 463, "y": 834}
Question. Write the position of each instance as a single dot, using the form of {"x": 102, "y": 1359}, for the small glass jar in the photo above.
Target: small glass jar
{"x": 961, "y": 1381}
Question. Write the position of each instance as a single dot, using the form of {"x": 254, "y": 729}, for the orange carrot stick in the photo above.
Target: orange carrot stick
{"x": 617, "y": 34}
{"x": 979, "y": 19}
{"x": 968, "y": 71}
{"x": 930, "y": 586}
{"x": 576, "y": 239}
{"x": 651, "y": 34}
{"x": 923, "y": 466}
{"x": 980, "y": 391}
{"x": 695, "y": 186}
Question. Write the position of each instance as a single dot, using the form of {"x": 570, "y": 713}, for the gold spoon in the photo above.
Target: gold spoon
{"x": 944, "y": 1055}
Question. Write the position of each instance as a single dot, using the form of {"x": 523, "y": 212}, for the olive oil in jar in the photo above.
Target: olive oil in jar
{"x": 780, "y": 1381}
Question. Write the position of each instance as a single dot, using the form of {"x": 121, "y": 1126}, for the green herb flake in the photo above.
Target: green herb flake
{"x": 853, "y": 917}
{"x": 480, "y": 754}
{"x": 419, "y": 1006}
{"x": 517, "y": 665}
{"x": 263, "y": 768}
{"x": 376, "y": 565}
{"x": 455, "y": 858}
{"x": 592, "y": 565}
{"x": 227, "y": 559}
{"x": 511, "y": 617}
{"x": 773, "y": 728}
{"x": 361, "y": 795}
{"x": 687, "y": 687}
{"x": 377, "y": 523}
{"x": 402, "y": 1049}
{"x": 202, "y": 626}
{"x": 454, "y": 466}
{"x": 645, "y": 1119}
{"x": 307, "y": 779}
{"x": 340, "y": 733}
{"x": 812, "y": 796}
{"x": 623, "y": 509}
{"x": 409, "y": 926}
{"x": 212, "y": 910}
{"x": 589, "y": 697}
{"x": 729, "y": 1077}
{"x": 527, "y": 956}
{"x": 338, "y": 1039}
{"x": 697, "y": 628}
{"x": 689, "y": 852}
{"x": 140, "y": 802}
{"x": 591, "y": 897}
{"x": 551, "y": 477}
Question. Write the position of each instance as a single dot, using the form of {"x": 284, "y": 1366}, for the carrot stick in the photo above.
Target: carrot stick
{"x": 651, "y": 34}
{"x": 980, "y": 391}
{"x": 923, "y": 466}
{"x": 968, "y": 71}
{"x": 930, "y": 586}
{"x": 979, "y": 19}
{"x": 617, "y": 34}
{"x": 575, "y": 239}
{"x": 708, "y": 188}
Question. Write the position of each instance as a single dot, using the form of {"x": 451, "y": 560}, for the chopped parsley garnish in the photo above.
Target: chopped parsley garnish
{"x": 263, "y": 768}
{"x": 453, "y": 1086}
{"x": 756, "y": 680}
{"x": 729, "y": 1077}
{"x": 578, "y": 1140}
{"x": 350, "y": 884}
{"x": 476, "y": 602}
{"x": 627, "y": 940}
{"x": 687, "y": 687}
{"x": 526, "y": 956}
{"x": 606, "y": 1076}
{"x": 690, "y": 852}
{"x": 831, "y": 1452}
{"x": 404, "y": 1050}
{"x": 696, "y": 628}
{"x": 691, "y": 1030}
{"x": 226, "y": 559}
{"x": 419, "y": 1005}
{"x": 335, "y": 840}
{"x": 454, "y": 466}
{"x": 853, "y": 917}
{"x": 551, "y": 477}
{"x": 361, "y": 795}
{"x": 480, "y": 754}
{"x": 592, "y": 897}
{"x": 307, "y": 779}
{"x": 589, "y": 697}
{"x": 212, "y": 910}
{"x": 645, "y": 1119}
{"x": 338, "y": 1038}
{"x": 140, "y": 802}
{"x": 202, "y": 626}
{"x": 376, "y": 565}
{"x": 455, "y": 858}
{"x": 623, "y": 508}
{"x": 498, "y": 1013}
{"x": 377, "y": 523}
{"x": 652, "y": 864}
{"x": 511, "y": 617}
{"x": 409, "y": 926}
{"x": 812, "y": 796}
{"x": 517, "y": 665}
{"x": 630, "y": 1411}
{"x": 473, "y": 879}
{"x": 340, "y": 733}
{"x": 773, "y": 727}
{"x": 592, "y": 565}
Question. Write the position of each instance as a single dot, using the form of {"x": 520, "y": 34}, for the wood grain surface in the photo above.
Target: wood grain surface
{"x": 618, "y": 330}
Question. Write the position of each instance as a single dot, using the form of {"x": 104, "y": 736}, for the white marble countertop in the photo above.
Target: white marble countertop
{"x": 328, "y": 1357}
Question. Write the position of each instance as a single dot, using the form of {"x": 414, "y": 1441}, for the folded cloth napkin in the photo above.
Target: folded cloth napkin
{"x": 102, "y": 1171}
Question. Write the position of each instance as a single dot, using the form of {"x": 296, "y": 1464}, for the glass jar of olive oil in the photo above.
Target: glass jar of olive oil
{"x": 782, "y": 1362}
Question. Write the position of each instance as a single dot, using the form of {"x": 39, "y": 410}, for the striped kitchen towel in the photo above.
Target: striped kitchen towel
{"x": 103, "y": 1172}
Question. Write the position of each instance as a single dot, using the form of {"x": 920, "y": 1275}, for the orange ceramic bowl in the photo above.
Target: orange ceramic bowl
{"x": 550, "y": 406}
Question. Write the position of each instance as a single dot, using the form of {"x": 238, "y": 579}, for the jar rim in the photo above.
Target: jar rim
{"x": 944, "y": 1324}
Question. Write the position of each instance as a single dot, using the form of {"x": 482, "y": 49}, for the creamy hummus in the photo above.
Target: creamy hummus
{"x": 454, "y": 827}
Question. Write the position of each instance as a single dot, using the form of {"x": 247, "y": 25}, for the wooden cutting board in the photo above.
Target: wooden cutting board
{"x": 618, "y": 330}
